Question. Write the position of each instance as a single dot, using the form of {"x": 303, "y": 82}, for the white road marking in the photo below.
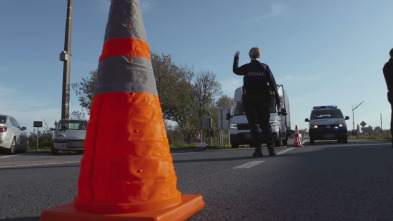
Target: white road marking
{"x": 39, "y": 164}
{"x": 286, "y": 150}
{"x": 248, "y": 165}
{"x": 7, "y": 156}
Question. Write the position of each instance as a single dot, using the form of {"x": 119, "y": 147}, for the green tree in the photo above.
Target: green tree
{"x": 84, "y": 90}
{"x": 78, "y": 115}
{"x": 184, "y": 96}
{"x": 225, "y": 102}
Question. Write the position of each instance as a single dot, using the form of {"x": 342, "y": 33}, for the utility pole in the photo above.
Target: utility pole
{"x": 65, "y": 56}
{"x": 353, "y": 115}
{"x": 381, "y": 126}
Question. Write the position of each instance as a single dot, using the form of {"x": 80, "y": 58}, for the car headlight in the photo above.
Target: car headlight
{"x": 233, "y": 126}
{"x": 342, "y": 125}
{"x": 60, "y": 138}
{"x": 315, "y": 126}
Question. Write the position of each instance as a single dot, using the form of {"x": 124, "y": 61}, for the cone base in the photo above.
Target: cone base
{"x": 190, "y": 204}
{"x": 297, "y": 144}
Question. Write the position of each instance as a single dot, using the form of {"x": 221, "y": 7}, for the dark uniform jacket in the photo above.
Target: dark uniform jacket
{"x": 258, "y": 78}
{"x": 388, "y": 73}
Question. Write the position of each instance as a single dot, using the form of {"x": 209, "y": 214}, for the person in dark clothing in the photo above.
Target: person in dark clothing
{"x": 258, "y": 83}
{"x": 388, "y": 73}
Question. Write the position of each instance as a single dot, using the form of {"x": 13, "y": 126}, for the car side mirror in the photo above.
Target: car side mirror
{"x": 23, "y": 128}
{"x": 346, "y": 118}
{"x": 307, "y": 120}
{"x": 228, "y": 116}
{"x": 283, "y": 112}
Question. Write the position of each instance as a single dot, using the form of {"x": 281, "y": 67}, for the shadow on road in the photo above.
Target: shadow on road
{"x": 35, "y": 218}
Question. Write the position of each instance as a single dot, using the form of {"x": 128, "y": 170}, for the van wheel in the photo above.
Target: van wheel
{"x": 234, "y": 145}
{"x": 278, "y": 142}
{"x": 12, "y": 147}
{"x": 285, "y": 142}
{"x": 53, "y": 150}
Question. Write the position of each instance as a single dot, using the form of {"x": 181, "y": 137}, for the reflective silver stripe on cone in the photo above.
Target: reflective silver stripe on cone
{"x": 118, "y": 24}
{"x": 118, "y": 74}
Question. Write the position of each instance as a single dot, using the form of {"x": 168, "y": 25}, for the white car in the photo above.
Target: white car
{"x": 12, "y": 136}
{"x": 327, "y": 123}
{"x": 69, "y": 135}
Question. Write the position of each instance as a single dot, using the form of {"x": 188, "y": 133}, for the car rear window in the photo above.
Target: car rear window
{"x": 3, "y": 119}
{"x": 73, "y": 125}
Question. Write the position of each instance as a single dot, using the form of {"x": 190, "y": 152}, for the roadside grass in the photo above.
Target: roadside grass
{"x": 370, "y": 138}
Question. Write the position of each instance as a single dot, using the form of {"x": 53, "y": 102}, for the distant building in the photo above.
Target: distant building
{"x": 367, "y": 130}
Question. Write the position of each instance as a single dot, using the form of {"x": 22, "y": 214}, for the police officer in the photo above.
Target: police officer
{"x": 258, "y": 83}
{"x": 388, "y": 73}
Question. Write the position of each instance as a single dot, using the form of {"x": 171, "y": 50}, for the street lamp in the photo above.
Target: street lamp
{"x": 353, "y": 115}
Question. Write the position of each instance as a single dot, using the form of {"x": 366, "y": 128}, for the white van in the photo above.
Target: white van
{"x": 327, "y": 123}
{"x": 279, "y": 120}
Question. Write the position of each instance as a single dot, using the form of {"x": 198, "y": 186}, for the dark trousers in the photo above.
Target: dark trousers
{"x": 390, "y": 99}
{"x": 258, "y": 116}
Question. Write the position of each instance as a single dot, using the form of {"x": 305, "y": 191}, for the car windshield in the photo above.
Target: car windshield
{"x": 72, "y": 125}
{"x": 3, "y": 119}
{"x": 324, "y": 114}
{"x": 239, "y": 110}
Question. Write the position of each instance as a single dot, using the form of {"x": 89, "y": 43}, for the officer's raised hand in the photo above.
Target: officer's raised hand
{"x": 237, "y": 54}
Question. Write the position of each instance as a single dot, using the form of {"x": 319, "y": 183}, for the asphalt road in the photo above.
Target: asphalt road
{"x": 325, "y": 181}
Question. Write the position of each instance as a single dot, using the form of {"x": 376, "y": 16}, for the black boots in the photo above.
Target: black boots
{"x": 271, "y": 150}
{"x": 257, "y": 153}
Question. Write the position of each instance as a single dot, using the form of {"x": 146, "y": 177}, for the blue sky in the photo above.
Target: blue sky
{"x": 323, "y": 52}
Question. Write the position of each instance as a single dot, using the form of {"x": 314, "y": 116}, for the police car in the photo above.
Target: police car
{"x": 327, "y": 123}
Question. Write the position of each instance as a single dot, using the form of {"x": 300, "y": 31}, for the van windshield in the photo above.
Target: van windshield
{"x": 324, "y": 114}
{"x": 72, "y": 125}
{"x": 239, "y": 110}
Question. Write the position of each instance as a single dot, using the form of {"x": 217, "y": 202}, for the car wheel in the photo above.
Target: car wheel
{"x": 12, "y": 147}
{"x": 285, "y": 142}
{"x": 53, "y": 150}
{"x": 339, "y": 140}
{"x": 345, "y": 140}
{"x": 26, "y": 147}
{"x": 311, "y": 140}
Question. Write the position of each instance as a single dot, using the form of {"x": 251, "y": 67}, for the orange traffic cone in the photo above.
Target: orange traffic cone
{"x": 127, "y": 170}
{"x": 200, "y": 145}
{"x": 297, "y": 142}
